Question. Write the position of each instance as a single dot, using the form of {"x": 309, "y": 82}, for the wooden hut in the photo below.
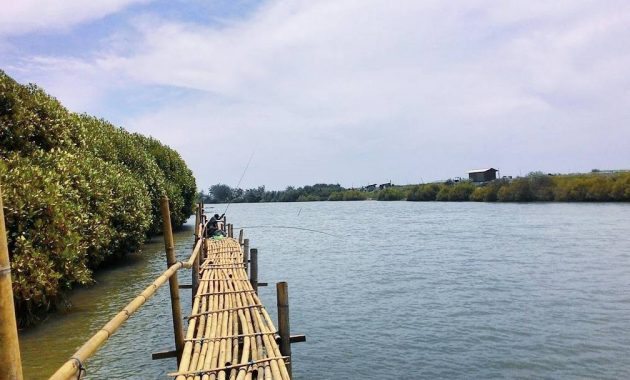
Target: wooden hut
{"x": 483, "y": 175}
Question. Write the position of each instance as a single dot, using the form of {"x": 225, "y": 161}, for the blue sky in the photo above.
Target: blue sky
{"x": 348, "y": 91}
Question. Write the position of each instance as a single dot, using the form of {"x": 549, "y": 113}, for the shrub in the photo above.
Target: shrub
{"x": 391, "y": 194}
{"x": 461, "y": 192}
{"x": 484, "y": 194}
{"x": 336, "y": 196}
{"x": 348, "y": 195}
{"x": 77, "y": 191}
{"x": 541, "y": 187}
{"x": 444, "y": 193}
{"x": 620, "y": 189}
{"x": 426, "y": 192}
{"x": 308, "y": 198}
{"x": 518, "y": 190}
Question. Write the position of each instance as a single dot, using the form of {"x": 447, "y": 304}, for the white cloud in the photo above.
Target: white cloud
{"x": 365, "y": 91}
{"x": 23, "y": 16}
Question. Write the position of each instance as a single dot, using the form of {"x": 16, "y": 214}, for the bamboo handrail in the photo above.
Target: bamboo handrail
{"x": 75, "y": 364}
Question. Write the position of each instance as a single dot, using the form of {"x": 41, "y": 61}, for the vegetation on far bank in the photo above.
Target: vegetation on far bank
{"x": 77, "y": 192}
{"x": 536, "y": 187}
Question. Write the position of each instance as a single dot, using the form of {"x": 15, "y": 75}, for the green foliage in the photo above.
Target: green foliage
{"x": 77, "y": 192}
{"x": 461, "y": 191}
{"x": 348, "y": 195}
{"x": 391, "y": 194}
{"x": 457, "y": 192}
{"x": 254, "y": 195}
{"x": 308, "y": 198}
{"x": 180, "y": 183}
{"x": 518, "y": 190}
{"x": 152, "y": 163}
{"x": 31, "y": 120}
{"x": 427, "y": 192}
{"x": 594, "y": 187}
{"x": 541, "y": 187}
{"x": 487, "y": 193}
{"x": 221, "y": 193}
{"x": 620, "y": 189}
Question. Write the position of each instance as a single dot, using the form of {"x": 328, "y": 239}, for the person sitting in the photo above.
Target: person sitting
{"x": 212, "y": 229}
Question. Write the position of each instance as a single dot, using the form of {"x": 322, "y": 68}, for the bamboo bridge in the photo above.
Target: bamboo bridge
{"x": 229, "y": 335}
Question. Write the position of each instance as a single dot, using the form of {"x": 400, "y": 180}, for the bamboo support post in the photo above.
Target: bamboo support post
{"x": 203, "y": 213}
{"x": 194, "y": 273}
{"x": 197, "y": 221}
{"x": 195, "y": 278}
{"x": 284, "y": 328}
{"x": 253, "y": 268}
{"x": 10, "y": 361}
{"x": 178, "y": 325}
{"x": 246, "y": 254}
{"x": 240, "y": 236}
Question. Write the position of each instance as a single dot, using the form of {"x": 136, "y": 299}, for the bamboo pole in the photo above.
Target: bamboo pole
{"x": 246, "y": 254}
{"x": 240, "y": 236}
{"x": 169, "y": 245}
{"x": 197, "y": 220}
{"x": 10, "y": 361}
{"x": 253, "y": 268}
{"x": 194, "y": 273}
{"x": 284, "y": 327}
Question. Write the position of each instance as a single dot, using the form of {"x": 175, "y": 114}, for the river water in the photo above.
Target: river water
{"x": 403, "y": 290}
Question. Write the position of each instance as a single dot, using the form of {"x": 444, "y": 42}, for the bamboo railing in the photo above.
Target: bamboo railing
{"x": 74, "y": 366}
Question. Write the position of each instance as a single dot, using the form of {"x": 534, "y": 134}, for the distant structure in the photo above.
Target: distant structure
{"x": 482, "y": 175}
{"x": 385, "y": 185}
{"x": 370, "y": 187}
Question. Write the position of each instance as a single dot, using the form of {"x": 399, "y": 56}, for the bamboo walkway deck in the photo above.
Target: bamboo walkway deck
{"x": 230, "y": 334}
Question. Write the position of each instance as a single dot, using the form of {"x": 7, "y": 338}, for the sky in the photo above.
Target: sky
{"x": 342, "y": 91}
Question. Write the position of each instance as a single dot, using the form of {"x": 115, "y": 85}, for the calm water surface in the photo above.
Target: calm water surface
{"x": 405, "y": 290}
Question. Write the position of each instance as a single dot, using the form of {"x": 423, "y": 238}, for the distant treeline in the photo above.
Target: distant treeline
{"x": 221, "y": 193}
{"x": 77, "y": 191}
{"x": 536, "y": 187}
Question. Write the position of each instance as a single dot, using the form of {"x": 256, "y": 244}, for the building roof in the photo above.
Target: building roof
{"x": 482, "y": 170}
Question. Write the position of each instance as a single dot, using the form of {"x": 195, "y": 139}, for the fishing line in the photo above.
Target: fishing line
{"x": 293, "y": 228}
{"x": 239, "y": 181}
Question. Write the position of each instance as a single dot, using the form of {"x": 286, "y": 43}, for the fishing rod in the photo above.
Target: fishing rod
{"x": 239, "y": 181}
{"x": 293, "y": 228}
